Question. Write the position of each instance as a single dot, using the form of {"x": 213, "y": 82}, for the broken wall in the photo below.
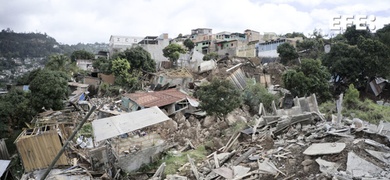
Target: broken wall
{"x": 109, "y": 79}
{"x": 301, "y": 105}
{"x": 173, "y": 81}
{"x": 134, "y": 161}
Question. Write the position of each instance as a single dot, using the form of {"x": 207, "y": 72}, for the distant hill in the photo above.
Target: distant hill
{"x": 92, "y": 48}
{"x": 23, "y": 52}
{"x": 23, "y": 45}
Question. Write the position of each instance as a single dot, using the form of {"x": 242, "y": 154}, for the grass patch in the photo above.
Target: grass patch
{"x": 174, "y": 162}
{"x": 86, "y": 131}
{"x": 369, "y": 111}
{"x": 365, "y": 110}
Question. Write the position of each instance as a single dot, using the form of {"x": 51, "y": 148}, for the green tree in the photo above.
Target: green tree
{"x": 15, "y": 108}
{"x": 103, "y": 65}
{"x": 120, "y": 68}
{"x": 311, "y": 48}
{"x": 81, "y": 54}
{"x": 139, "y": 59}
{"x": 256, "y": 93}
{"x": 295, "y": 34}
{"x": 49, "y": 89}
{"x": 355, "y": 63}
{"x": 375, "y": 60}
{"x": 287, "y": 53}
{"x": 26, "y": 78}
{"x": 352, "y": 34}
{"x": 310, "y": 77}
{"x": 351, "y": 97}
{"x": 209, "y": 56}
{"x": 383, "y": 35}
{"x": 61, "y": 63}
{"x": 219, "y": 97}
{"x": 172, "y": 52}
{"x": 189, "y": 44}
{"x": 343, "y": 62}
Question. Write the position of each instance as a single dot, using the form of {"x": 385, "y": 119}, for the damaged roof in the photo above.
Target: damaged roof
{"x": 157, "y": 98}
{"x": 106, "y": 128}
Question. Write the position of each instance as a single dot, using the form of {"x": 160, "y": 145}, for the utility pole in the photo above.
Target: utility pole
{"x": 67, "y": 142}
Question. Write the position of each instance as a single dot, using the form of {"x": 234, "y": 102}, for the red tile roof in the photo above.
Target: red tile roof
{"x": 157, "y": 98}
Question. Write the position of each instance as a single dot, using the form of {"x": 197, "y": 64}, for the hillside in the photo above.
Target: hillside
{"x": 23, "y": 45}
{"x": 24, "y": 52}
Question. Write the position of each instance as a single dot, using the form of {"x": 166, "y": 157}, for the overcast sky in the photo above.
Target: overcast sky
{"x": 90, "y": 21}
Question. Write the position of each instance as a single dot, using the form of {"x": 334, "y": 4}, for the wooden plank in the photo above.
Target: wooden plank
{"x": 38, "y": 151}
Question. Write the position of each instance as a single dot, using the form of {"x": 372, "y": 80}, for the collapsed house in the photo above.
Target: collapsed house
{"x": 170, "y": 101}
{"x": 132, "y": 145}
{"x": 172, "y": 78}
{"x": 378, "y": 85}
{"x": 37, "y": 148}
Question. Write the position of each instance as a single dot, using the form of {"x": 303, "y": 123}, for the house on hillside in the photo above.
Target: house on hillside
{"x": 102, "y": 54}
{"x": 155, "y": 45}
{"x": 190, "y": 60}
{"x": 268, "y": 49}
{"x": 120, "y": 43}
{"x": 85, "y": 64}
{"x": 203, "y": 39}
{"x": 237, "y": 44}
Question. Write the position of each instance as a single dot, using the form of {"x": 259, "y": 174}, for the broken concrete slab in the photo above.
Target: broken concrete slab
{"x": 324, "y": 148}
{"x": 240, "y": 170}
{"x": 376, "y": 144}
{"x": 266, "y": 168}
{"x": 382, "y": 156}
{"x": 221, "y": 156}
{"x": 176, "y": 177}
{"x": 326, "y": 167}
{"x": 359, "y": 167}
{"x": 224, "y": 172}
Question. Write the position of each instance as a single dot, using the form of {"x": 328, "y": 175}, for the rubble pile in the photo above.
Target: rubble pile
{"x": 195, "y": 130}
{"x": 295, "y": 143}
{"x": 312, "y": 149}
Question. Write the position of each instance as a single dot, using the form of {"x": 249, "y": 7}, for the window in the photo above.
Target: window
{"x": 135, "y": 40}
{"x": 118, "y": 39}
{"x": 127, "y": 39}
{"x": 231, "y": 44}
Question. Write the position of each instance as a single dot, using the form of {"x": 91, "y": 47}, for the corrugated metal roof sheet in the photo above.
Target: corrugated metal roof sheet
{"x": 106, "y": 128}
{"x": 238, "y": 78}
{"x": 3, "y": 166}
{"x": 157, "y": 98}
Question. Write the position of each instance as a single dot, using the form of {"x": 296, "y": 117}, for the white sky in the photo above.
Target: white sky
{"x": 90, "y": 21}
